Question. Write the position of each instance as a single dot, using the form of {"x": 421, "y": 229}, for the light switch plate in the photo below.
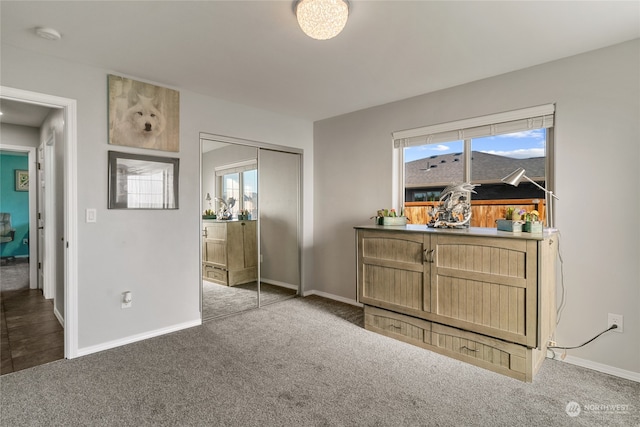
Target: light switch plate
{"x": 91, "y": 215}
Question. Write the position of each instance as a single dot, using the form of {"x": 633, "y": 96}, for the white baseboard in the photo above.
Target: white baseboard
{"x": 281, "y": 284}
{"x": 58, "y": 316}
{"x": 600, "y": 367}
{"x": 333, "y": 297}
{"x": 139, "y": 337}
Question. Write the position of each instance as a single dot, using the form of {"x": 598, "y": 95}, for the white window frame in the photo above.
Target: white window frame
{"x": 238, "y": 168}
{"x": 542, "y": 116}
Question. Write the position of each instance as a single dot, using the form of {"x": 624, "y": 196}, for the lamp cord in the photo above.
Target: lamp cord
{"x": 585, "y": 343}
{"x": 563, "y": 291}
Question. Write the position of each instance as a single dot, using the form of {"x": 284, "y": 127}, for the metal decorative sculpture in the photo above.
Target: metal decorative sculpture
{"x": 225, "y": 211}
{"x": 454, "y": 210}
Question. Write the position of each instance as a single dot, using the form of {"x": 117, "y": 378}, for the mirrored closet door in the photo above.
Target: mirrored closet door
{"x": 250, "y": 225}
{"x": 279, "y": 221}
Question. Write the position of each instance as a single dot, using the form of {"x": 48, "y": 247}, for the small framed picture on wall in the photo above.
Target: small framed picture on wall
{"x": 22, "y": 180}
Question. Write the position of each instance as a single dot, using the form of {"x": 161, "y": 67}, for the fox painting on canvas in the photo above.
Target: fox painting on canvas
{"x": 143, "y": 115}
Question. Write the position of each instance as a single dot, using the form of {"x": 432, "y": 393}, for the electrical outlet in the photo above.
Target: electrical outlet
{"x": 126, "y": 299}
{"x": 616, "y": 319}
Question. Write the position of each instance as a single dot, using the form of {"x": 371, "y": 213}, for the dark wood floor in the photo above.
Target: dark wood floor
{"x": 31, "y": 333}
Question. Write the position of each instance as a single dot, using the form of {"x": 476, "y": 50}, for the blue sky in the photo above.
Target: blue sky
{"x": 519, "y": 145}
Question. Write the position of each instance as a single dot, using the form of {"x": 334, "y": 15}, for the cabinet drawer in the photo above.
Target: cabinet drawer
{"x": 214, "y": 274}
{"x": 496, "y": 355}
{"x": 404, "y": 328}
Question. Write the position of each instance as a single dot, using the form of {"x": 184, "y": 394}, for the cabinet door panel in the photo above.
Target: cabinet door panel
{"x": 392, "y": 271}
{"x": 486, "y": 285}
{"x": 235, "y": 251}
{"x": 394, "y": 286}
{"x": 214, "y": 244}
{"x": 215, "y": 252}
{"x": 250, "y": 244}
{"x": 215, "y": 231}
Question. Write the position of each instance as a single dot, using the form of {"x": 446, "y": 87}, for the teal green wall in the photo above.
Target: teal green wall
{"x": 14, "y": 202}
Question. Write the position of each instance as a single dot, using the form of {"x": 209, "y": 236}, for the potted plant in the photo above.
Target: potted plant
{"x": 509, "y": 223}
{"x": 208, "y": 214}
{"x": 531, "y": 224}
{"x": 390, "y": 217}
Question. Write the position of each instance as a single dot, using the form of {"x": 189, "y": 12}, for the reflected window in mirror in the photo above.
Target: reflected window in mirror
{"x": 250, "y": 192}
{"x": 231, "y": 190}
{"x": 240, "y": 183}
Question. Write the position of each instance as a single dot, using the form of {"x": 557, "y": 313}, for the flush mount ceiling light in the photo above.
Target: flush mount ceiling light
{"x": 48, "y": 33}
{"x": 322, "y": 19}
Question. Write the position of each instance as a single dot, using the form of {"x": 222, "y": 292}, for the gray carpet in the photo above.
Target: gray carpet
{"x": 301, "y": 362}
{"x": 14, "y": 274}
{"x": 220, "y": 300}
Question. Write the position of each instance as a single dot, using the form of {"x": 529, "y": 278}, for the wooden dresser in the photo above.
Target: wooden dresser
{"x": 480, "y": 295}
{"x": 229, "y": 252}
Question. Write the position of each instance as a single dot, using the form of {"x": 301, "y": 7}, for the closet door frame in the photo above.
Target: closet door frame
{"x": 204, "y": 136}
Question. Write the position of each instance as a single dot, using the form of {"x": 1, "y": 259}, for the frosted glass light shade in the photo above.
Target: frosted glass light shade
{"x": 322, "y": 19}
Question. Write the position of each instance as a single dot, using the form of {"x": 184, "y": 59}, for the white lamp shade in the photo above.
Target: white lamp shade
{"x": 322, "y": 19}
{"x": 514, "y": 177}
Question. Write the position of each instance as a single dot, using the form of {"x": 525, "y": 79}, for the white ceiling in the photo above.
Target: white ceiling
{"x": 19, "y": 113}
{"x": 253, "y": 52}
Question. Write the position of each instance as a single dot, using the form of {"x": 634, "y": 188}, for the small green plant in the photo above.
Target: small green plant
{"x": 389, "y": 212}
{"x": 533, "y": 215}
{"x": 509, "y": 212}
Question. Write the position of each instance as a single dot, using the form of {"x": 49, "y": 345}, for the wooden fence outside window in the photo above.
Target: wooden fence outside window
{"x": 484, "y": 213}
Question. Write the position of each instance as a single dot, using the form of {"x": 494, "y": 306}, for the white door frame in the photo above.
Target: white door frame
{"x": 33, "y": 223}
{"x": 40, "y": 214}
{"x": 48, "y": 220}
{"x": 49, "y": 209}
{"x": 69, "y": 107}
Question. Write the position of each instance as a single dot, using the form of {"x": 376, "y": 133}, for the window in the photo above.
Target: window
{"x": 231, "y": 188}
{"x": 429, "y": 168}
{"x": 481, "y": 151}
{"x": 240, "y": 182}
{"x": 494, "y": 157}
{"x": 250, "y": 191}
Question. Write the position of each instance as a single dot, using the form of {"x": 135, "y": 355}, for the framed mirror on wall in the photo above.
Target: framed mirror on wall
{"x": 138, "y": 181}
{"x": 250, "y": 226}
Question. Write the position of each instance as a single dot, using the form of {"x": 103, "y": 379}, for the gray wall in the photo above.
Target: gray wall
{"x": 24, "y": 136}
{"x": 154, "y": 254}
{"x": 597, "y": 97}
